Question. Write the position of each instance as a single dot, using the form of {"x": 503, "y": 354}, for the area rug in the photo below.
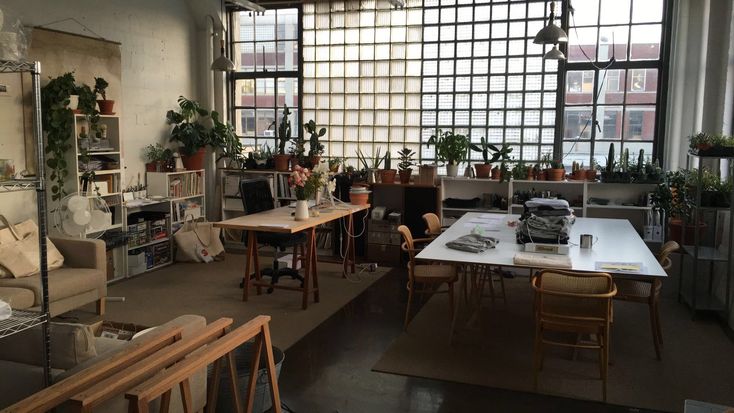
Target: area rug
{"x": 698, "y": 358}
{"x": 212, "y": 290}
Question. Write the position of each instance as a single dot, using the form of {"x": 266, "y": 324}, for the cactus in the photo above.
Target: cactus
{"x": 284, "y": 130}
{"x": 610, "y": 159}
{"x": 641, "y": 161}
{"x": 575, "y": 166}
{"x": 388, "y": 162}
{"x": 625, "y": 160}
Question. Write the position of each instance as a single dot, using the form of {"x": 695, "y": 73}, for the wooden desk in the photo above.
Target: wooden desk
{"x": 281, "y": 221}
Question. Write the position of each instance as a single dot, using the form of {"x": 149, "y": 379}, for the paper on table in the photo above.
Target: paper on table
{"x": 484, "y": 227}
{"x": 631, "y": 267}
{"x": 492, "y": 217}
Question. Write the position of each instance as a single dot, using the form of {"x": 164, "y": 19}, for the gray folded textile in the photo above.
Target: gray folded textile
{"x": 473, "y": 243}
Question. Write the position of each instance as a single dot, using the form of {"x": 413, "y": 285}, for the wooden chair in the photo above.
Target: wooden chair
{"x": 433, "y": 225}
{"x": 573, "y": 302}
{"x": 430, "y": 276}
{"x": 647, "y": 291}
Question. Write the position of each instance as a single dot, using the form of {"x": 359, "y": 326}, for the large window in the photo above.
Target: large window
{"x": 615, "y": 46}
{"x": 265, "y": 50}
{"x": 483, "y": 76}
{"x": 362, "y": 75}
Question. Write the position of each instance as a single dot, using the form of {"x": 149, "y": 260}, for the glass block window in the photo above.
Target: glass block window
{"x": 265, "y": 50}
{"x": 613, "y": 79}
{"x": 483, "y": 76}
{"x": 362, "y": 75}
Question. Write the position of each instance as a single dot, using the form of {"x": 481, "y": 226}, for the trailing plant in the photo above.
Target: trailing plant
{"x": 58, "y": 123}
{"x": 406, "y": 159}
{"x": 450, "y": 147}
{"x": 316, "y": 148}
{"x": 189, "y": 131}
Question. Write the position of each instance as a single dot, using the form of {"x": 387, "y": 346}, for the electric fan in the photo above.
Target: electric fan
{"x": 84, "y": 215}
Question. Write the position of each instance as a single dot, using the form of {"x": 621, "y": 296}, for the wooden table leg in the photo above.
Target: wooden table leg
{"x": 311, "y": 252}
{"x": 315, "y": 271}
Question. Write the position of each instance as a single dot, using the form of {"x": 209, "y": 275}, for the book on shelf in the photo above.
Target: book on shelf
{"x": 182, "y": 209}
{"x": 185, "y": 185}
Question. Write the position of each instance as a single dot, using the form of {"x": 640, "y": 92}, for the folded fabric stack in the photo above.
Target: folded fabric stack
{"x": 472, "y": 243}
{"x": 546, "y": 221}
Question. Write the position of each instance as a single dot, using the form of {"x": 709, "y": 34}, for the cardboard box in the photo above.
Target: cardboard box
{"x": 116, "y": 330}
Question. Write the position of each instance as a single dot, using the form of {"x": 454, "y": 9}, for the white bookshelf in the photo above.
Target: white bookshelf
{"x": 623, "y": 198}
{"x": 185, "y": 191}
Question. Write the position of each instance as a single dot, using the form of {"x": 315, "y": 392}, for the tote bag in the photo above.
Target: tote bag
{"x": 19, "y": 250}
{"x": 197, "y": 241}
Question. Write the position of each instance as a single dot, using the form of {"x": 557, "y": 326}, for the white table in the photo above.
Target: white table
{"x": 617, "y": 241}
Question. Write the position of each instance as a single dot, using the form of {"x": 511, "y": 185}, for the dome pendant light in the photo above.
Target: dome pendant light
{"x": 554, "y": 54}
{"x": 551, "y": 34}
{"x": 222, "y": 63}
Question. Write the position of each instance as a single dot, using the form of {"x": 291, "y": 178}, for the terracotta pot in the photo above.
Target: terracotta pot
{"x": 427, "y": 175}
{"x": 359, "y": 198}
{"x": 106, "y": 107}
{"x": 555, "y": 174}
{"x": 542, "y": 175}
{"x": 157, "y": 166}
{"x": 483, "y": 169}
{"x": 495, "y": 173}
{"x": 195, "y": 161}
{"x": 675, "y": 231}
{"x": 150, "y": 167}
{"x": 387, "y": 176}
{"x": 531, "y": 175}
{"x": 579, "y": 175}
{"x": 591, "y": 175}
{"x": 282, "y": 163}
{"x": 405, "y": 176}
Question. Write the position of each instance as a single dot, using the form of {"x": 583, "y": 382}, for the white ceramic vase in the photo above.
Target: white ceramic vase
{"x": 452, "y": 170}
{"x": 301, "y": 210}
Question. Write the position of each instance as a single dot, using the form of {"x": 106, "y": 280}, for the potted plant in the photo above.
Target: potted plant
{"x": 557, "y": 171}
{"x": 387, "y": 175}
{"x": 334, "y": 164}
{"x": 100, "y": 88}
{"x": 703, "y": 144}
{"x": 483, "y": 169}
{"x": 578, "y": 173}
{"x": 158, "y": 158}
{"x": 450, "y": 148}
{"x": 406, "y": 162}
{"x": 189, "y": 132}
{"x": 316, "y": 148}
{"x": 520, "y": 171}
{"x": 591, "y": 172}
{"x": 372, "y": 164}
{"x": 538, "y": 172}
{"x": 281, "y": 159}
{"x": 674, "y": 197}
{"x": 545, "y": 164}
{"x": 224, "y": 139}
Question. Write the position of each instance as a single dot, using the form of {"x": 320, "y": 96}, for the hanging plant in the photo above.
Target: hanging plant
{"x": 58, "y": 123}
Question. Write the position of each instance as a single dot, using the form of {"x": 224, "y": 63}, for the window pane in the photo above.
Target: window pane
{"x": 647, "y": 11}
{"x": 611, "y": 86}
{"x": 244, "y": 92}
{"x": 642, "y": 86}
{"x": 610, "y": 122}
{"x": 645, "y": 42}
{"x": 613, "y": 43}
{"x": 582, "y": 43}
{"x": 579, "y": 87}
{"x": 639, "y": 123}
{"x": 615, "y": 12}
{"x": 265, "y": 26}
{"x": 577, "y": 123}
{"x": 287, "y": 58}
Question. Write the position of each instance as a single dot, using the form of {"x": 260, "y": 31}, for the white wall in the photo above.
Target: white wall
{"x": 160, "y": 52}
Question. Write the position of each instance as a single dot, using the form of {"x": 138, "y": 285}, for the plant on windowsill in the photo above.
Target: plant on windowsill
{"x": 544, "y": 166}
{"x": 483, "y": 169}
{"x": 404, "y": 167}
{"x": 556, "y": 172}
{"x": 335, "y": 163}
{"x": 281, "y": 159}
{"x": 316, "y": 148}
{"x": 189, "y": 132}
{"x": 373, "y": 165}
{"x": 450, "y": 148}
{"x": 224, "y": 140}
{"x": 387, "y": 175}
{"x": 674, "y": 197}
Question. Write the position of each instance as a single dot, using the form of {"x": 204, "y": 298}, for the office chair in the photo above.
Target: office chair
{"x": 256, "y": 197}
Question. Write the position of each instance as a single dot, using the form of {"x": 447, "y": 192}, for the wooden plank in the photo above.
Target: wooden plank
{"x": 54, "y": 395}
{"x": 137, "y": 372}
{"x": 159, "y": 384}
{"x": 280, "y": 219}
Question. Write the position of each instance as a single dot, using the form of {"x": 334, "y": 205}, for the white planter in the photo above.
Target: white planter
{"x": 301, "y": 210}
{"x": 74, "y": 102}
{"x": 452, "y": 170}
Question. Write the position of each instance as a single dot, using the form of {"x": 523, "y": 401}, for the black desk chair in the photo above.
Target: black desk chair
{"x": 256, "y": 197}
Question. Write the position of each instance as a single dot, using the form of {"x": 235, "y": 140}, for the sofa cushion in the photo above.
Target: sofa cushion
{"x": 18, "y": 298}
{"x": 71, "y": 344}
{"x": 62, "y": 283}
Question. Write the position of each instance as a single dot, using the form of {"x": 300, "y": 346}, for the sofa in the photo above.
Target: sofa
{"x": 74, "y": 347}
{"x": 81, "y": 280}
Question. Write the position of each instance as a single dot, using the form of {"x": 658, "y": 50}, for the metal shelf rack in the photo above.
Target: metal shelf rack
{"x": 22, "y": 320}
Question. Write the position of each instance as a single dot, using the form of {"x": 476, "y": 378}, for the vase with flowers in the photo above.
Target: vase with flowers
{"x": 308, "y": 185}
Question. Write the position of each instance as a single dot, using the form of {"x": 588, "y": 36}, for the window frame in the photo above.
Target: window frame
{"x": 662, "y": 65}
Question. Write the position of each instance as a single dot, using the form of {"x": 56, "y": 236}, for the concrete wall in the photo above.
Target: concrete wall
{"x": 160, "y": 47}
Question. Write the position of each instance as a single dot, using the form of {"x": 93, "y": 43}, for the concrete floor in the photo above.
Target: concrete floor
{"x": 329, "y": 370}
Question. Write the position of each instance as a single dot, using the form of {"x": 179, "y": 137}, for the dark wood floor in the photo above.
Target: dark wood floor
{"x": 329, "y": 370}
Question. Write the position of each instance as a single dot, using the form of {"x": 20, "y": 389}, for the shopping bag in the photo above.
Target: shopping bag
{"x": 19, "y": 251}
{"x": 197, "y": 241}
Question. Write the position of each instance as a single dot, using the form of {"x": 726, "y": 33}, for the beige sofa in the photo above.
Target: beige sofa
{"x": 82, "y": 279}
{"x": 74, "y": 348}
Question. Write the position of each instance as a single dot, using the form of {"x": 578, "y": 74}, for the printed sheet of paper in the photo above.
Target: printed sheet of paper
{"x": 629, "y": 267}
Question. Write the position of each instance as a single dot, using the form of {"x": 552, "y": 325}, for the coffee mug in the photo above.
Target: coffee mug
{"x": 586, "y": 241}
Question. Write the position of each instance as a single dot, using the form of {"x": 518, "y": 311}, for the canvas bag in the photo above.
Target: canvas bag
{"x": 197, "y": 241}
{"x": 19, "y": 250}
